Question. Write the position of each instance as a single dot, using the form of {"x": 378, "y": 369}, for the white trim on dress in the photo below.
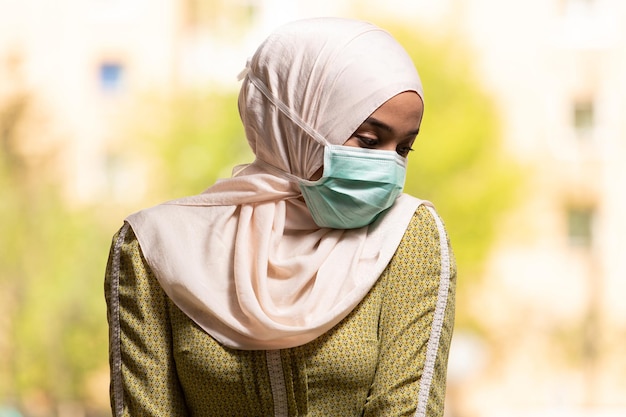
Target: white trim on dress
{"x": 277, "y": 382}
{"x": 438, "y": 319}
{"x": 115, "y": 337}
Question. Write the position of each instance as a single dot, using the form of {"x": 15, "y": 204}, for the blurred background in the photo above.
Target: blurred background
{"x": 110, "y": 106}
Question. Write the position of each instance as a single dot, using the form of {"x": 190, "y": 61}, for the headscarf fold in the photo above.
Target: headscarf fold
{"x": 245, "y": 259}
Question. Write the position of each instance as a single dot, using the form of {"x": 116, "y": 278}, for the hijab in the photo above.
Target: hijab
{"x": 244, "y": 259}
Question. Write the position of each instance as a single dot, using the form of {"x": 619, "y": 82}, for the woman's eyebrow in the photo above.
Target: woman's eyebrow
{"x": 381, "y": 125}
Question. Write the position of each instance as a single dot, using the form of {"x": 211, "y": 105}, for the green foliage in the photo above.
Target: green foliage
{"x": 190, "y": 141}
{"x": 58, "y": 333}
{"x": 50, "y": 296}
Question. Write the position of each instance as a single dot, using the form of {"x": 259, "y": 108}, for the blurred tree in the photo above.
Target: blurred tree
{"x": 459, "y": 162}
{"x": 189, "y": 141}
{"x": 52, "y": 332}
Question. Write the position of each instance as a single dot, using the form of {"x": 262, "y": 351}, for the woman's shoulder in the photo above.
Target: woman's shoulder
{"x": 425, "y": 224}
{"x": 124, "y": 246}
{"x": 424, "y": 250}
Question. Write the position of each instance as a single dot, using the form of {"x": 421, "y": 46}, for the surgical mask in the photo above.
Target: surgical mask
{"x": 356, "y": 186}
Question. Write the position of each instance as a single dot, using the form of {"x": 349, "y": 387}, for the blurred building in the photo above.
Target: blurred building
{"x": 85, "y": 64}
{"x": 551, "y": 301}
{"x": 82, "y": 63}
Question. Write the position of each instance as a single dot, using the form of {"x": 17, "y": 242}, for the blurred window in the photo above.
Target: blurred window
{"x": 580, "y": 226}
{"x": 219, "y": 15}
{"x": 583, "y": 119}
{"x": 577, "y": 8}
{"x": 111, "y": 77}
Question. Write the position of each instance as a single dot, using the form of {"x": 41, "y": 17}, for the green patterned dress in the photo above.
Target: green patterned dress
{"x": 387, "y": 358}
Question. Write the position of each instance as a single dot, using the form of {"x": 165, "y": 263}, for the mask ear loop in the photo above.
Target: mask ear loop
{"x": 242, "y": 74}
{"x": 283, "y": 108}
{"x": 247, "y": 72}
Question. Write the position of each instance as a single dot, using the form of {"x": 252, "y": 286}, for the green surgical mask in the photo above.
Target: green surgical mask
{"x": 356, "y": 186}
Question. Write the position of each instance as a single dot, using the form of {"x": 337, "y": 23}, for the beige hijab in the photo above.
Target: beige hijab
{"x": 244, "y": 259}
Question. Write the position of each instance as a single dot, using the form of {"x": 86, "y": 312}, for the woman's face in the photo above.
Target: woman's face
{"x": 393, "y": 126}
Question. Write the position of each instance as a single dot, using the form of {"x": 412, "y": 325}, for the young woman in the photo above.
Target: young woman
{"x": 307, "y": 284}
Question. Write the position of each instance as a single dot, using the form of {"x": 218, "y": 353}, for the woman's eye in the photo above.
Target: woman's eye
{"x": 368, "y": 142}
{"x": 404, "y": 150}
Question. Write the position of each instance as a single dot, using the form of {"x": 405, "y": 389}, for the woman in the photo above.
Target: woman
{"x": 306, "y": 284}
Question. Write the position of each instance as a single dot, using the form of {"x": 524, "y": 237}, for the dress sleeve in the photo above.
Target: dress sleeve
{"x": 143, "y": 372}
{"x": 416, "y": 322}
